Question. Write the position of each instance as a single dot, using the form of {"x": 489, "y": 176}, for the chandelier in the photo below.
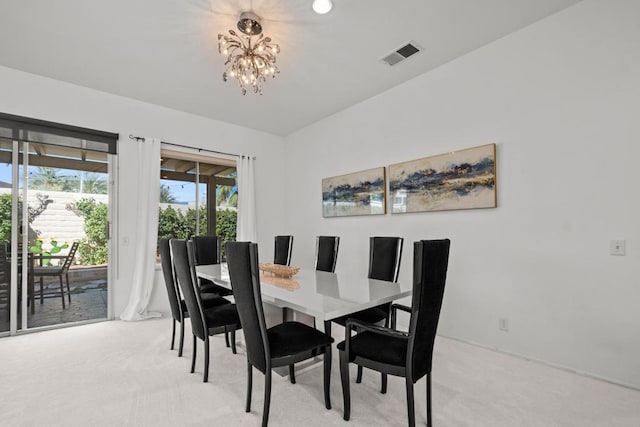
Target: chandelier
{"x": 250, "y": 61}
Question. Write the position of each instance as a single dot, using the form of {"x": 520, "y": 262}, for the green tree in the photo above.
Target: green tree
{"x": 94, "y": 183}
{"x": 46, "y": 179}
{"x": 166, "y": 196}
{"x": 227, "y": 194}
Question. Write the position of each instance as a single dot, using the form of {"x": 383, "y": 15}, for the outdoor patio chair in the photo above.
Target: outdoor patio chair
{"x": 62, "y": 269}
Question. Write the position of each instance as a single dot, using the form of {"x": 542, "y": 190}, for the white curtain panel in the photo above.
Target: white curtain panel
{"x": 148, "y": 185}
{"x": 246, "y": 229}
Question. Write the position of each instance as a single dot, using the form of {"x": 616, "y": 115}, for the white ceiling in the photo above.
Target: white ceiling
{"x": 165, "y": 51}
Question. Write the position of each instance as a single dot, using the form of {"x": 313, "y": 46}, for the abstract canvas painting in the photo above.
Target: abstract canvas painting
{"x": 464, "y": 179}
{"x": 358, "y": 193}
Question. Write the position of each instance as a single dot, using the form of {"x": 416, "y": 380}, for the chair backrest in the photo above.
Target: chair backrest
{"x": 242, "y": 260}
{"x": 385, "y": 254}
{"x": 430, "y": 261}
{"x": 282, "y": 250}
{"x": 327, "y": 253}
{"x": 182, "y": 255}
{"x": 169, "y": 279}
{"x": 69, "y": 259}
{"x": 207, "y": 249}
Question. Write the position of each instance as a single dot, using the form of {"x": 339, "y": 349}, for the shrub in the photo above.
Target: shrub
{"x": 93, "y": 248}
{"x": 226, "y": 222}
{"x": 173, "y": 224}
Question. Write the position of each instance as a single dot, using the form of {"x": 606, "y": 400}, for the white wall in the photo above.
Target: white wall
{"x": 34, "y": 96}
{"x": 561, "y": 99}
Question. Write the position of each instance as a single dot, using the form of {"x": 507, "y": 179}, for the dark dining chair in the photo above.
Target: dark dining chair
{"x": 59, "y": 270}
{"x": 178, "y": 307}
{"x": 404, "y": 354}
{"x": 208, "y": 250}
{"x": 385, "y": 254}
{"x": 204, "y": 321}
{"x": 280, "y": 345}
{"x": 327, "y": 253}
{"x": 282, "y": 250}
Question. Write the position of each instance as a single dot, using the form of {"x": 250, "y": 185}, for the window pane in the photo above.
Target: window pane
{"x": 180, "y": 209}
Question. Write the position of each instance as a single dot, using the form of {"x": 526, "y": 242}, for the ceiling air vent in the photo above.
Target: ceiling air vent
{"x": 401, "y": 54}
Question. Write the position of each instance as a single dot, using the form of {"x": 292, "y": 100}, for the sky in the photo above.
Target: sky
{"x": 184, "y": 192}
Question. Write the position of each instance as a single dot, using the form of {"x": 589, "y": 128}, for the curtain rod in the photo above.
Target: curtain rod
{"x": 140, "y": 138}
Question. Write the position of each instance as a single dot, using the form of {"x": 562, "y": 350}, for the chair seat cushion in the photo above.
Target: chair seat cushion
{"x": 290, "y": 338}
{"x": 370, "y": 315}
{"x": 379, "y": 348}
{"x": 222, "y": 315}
{"x": 212, "y": 300}
{"x": 208, "y": 287}
{"x": 208, "y": 301}
{"x": 47, "y": 270}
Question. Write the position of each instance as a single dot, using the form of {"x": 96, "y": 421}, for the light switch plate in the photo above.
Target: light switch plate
{"x": 617, "y": 247}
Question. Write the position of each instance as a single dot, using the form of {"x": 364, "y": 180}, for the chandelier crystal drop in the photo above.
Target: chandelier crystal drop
{"x": 250, "y": 59}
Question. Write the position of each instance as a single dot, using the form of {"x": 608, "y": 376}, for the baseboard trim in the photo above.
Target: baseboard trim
{"x": 544, "y": 362}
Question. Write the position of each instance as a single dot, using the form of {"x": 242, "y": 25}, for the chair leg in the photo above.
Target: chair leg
{"x": 383, "y": 389}
{"x": 327, "y": 376}
{"x": 226, "y": 337}
{"x": 249, "y": 386}
{"x": 41, "y": 290}
{"x": 344, "y": 377}
{"x": 173, "y": 334}
{"x": 32, "y": 296}
{"x": 193, "y": 355}
{"x": 410, "y": 406}
{"x": 267, "y": 398}
{"x": 292, "y": 373}
{"x": 359, "y": 376}
{"x": 233, "y": 342}
{"x": 68, "y": 289}
{"x": 181, "y": 344}
{"x": 429, "y": 399}
{"x": 62, "y": 293}
{"x": 327, "y": 328}
{"x": 206, "y": 359}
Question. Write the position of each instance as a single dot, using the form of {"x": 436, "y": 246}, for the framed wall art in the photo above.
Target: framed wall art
{"x": 464, "y": 179}
{"x": 358, "y": 193}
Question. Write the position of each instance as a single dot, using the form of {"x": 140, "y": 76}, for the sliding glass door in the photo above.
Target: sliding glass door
{"x": 54, "y": 228}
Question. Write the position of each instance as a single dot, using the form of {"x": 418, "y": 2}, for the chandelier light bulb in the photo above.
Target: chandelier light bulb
{"x": 322, "y": 6}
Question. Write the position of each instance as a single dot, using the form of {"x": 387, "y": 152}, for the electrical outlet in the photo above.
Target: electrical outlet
{"x": 503, "y": 324}
{"x": 617, "y": 247}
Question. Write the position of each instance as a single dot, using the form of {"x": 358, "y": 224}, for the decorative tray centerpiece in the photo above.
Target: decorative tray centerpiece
{"x": 277, "y": 270}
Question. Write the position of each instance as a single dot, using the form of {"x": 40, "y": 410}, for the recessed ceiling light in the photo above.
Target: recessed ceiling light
{"x": 322, "y": 6}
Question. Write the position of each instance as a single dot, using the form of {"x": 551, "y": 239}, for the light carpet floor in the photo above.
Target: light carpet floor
{"x": 123, "y": 374}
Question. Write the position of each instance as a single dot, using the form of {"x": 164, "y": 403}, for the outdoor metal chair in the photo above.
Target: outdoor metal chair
{"x": 59, "y": 270}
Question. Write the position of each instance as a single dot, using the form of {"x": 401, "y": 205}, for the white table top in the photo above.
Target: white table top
{"x": 320, "y": 294}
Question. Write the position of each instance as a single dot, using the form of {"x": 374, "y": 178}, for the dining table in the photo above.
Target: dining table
{"x": 323, "y": 295}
